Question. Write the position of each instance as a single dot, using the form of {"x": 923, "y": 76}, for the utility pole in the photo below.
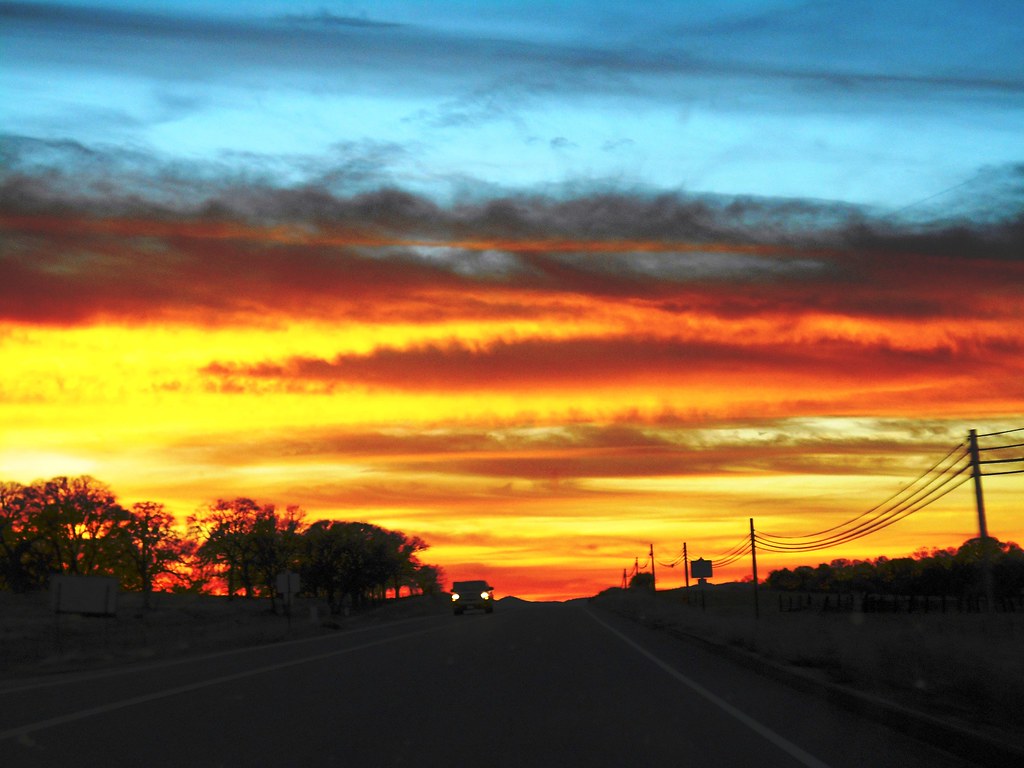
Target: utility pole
{"x": 624, "y": 582}
{"x": 753, "y": 560}
{"x": 686, "y": 572}
{"x": 979, "y": 500}
{"x": 654, "y": 584}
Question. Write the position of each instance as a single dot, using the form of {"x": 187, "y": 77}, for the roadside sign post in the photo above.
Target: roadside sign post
{"x": 702, "y": 571}
{"x": 288, "y": 585}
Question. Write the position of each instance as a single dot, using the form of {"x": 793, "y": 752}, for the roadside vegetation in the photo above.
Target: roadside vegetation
{"x": 963, "y": 665}
{"x": 232, "y": 547}
{"x": 927, "y": 578}
{"x": 34, "y": 641}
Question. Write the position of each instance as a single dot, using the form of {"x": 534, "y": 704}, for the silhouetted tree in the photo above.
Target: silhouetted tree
{"x": 275, "y": 538}
{"x": 929, "y": 572}
{"x": 428, "y": 579}
{"x": 80, "y": 525}
{"x": 355, "y": 561}
{"x": 22, "y": 564}
{"x": 1008, "y": 571}
{"x": 154, "y": 547}
{"x": 76, "y": 526}
{"x": 642, "y": 581}
{"x": 321, "y": 561}
{"x": 226, "y": 534}
{"x": 397, "y": 557}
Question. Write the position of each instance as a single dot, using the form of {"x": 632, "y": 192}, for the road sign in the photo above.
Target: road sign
{"x": 700, "y": 568}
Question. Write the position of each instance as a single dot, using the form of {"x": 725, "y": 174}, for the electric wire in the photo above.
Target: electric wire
{"x": 671, "y": 564}
{"x": 878, "y": 525}
{"x": 883, "y": 502}
{"x": 893, "y": 509}
{"x": 744, "y": 542}
{"x": 1001, "y": 458}
{"x": 875, "y": 525}
{"x": 732, "y": 554}
{"x": 1000, "y": 447}
{"x": 723, "y": 563}
{"x": 847, "y": 528}
{"x": 1004, "y": 432}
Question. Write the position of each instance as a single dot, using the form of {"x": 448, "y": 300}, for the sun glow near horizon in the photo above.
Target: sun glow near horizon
{"x": 560, "y": 432}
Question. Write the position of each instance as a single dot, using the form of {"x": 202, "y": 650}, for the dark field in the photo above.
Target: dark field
{"x": 964, "y": 667}
{"x": 33, "y": 641}
{"x": 967, "y": 667}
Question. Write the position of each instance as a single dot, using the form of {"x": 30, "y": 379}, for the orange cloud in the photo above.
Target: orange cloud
{"x": 540, "y": 389}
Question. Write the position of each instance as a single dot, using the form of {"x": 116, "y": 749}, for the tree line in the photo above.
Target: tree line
{"x": 75, "y": 526}
{"x": 955, "y": 572}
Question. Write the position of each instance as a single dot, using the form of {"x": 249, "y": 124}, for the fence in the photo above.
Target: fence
{"x": 875, "y": 603}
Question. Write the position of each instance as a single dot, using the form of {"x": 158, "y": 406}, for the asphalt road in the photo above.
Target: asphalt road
{"x": 529, "y": 685}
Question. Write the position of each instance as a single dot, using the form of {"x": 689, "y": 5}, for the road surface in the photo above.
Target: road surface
{"x": 560, "y": 684}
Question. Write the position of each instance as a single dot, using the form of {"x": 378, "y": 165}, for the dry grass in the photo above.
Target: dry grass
{"x": 966, "y": 666}
{"x": 33, "y": 641}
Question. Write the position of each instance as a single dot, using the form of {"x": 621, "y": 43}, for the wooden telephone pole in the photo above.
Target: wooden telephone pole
{"x": 753, "y": 559}
{"x": 686, "y": 571}
{"x": 654, "y": 584}
{"x": 986, "y": 547}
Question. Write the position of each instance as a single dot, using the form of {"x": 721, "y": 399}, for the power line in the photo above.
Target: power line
{"x": 879, "y": 524}
{"x": 898, "y": 508}
{"x": 942, "y": 478}
{"x": 725, "y": 562}
{"x": 1001, "y": 447}
{"x": 940, "y": 193}
{"x": 1004, "y": 432}
{"x": 882, "y": 503}
{"x": 745, "y": 541}
{"x": 998, "y": 452}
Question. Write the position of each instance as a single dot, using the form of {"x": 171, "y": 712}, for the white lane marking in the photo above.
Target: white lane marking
{"x": 135, "y": 667}
{"x": 22, "y": 730}
{"x": 784, "y": 744}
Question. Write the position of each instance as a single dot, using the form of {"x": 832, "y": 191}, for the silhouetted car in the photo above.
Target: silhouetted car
{"x": 472, "y": 594}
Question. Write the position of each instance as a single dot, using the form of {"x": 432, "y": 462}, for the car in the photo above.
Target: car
{"x": 472, "y": 594}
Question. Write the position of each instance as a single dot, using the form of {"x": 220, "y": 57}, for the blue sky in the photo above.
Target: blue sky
{"x": 871, "y": 103}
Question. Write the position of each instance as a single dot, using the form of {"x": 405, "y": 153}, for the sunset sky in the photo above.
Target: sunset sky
{"x": 542, "y": 283}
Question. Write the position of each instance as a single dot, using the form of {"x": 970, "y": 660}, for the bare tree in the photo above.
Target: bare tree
{"x": 22, "y": 567}
{"x": 251, "y": 542}
{"x": 81, "y": 525}
{"x": 224, "y": 531}
{"x": 276, "y": 545}
{"x": 154, "y": 547}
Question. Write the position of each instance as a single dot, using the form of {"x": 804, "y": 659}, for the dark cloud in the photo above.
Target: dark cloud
{"x": 758, "y": 55}
{"x": 614, "y": 363}
{"x": 91, "y": 234}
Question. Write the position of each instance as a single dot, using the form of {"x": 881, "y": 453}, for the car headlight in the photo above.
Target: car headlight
{"x": 455, "y": 596}
{"x": 485, "y": 595}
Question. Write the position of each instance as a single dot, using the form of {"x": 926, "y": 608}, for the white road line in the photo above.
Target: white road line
{"x": 784, "y": 744}
{"x": 22, "y": 730}
{"x": 133, "y": 667}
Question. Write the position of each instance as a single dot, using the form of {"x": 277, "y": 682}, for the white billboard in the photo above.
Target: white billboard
{"x": 93, "y": 595}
